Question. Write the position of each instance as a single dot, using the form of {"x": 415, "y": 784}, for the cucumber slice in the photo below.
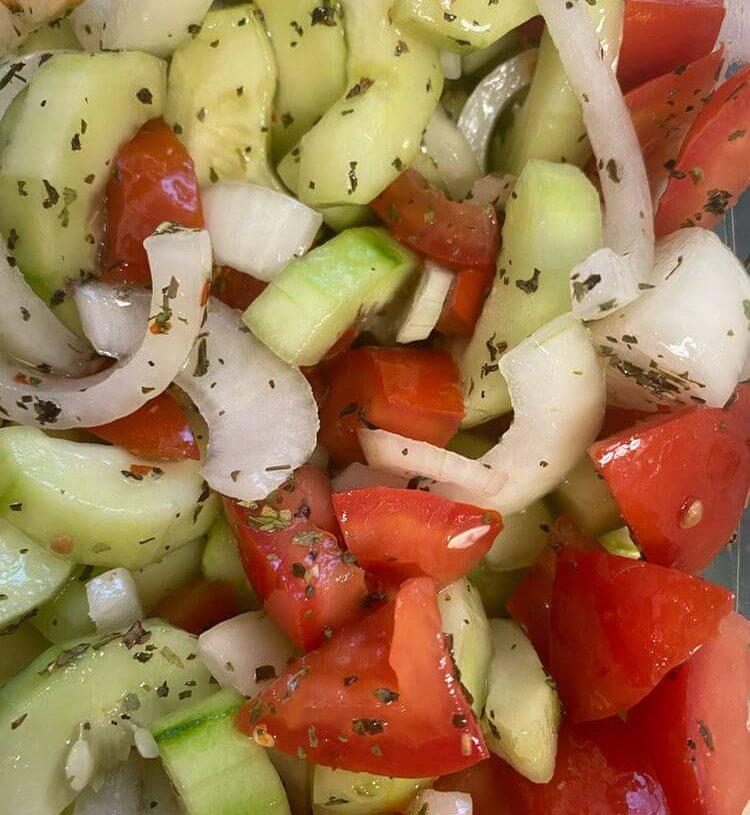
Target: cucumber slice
{"x": 76, "y": 113}
{"x": 346, "y": 793}
{"x": 495, "y": 588}
{"x": 175, "y": 570}
{"x": 347, "y": 216}
{"x": 215, "y": 769}
{"x": 470, "y": 445}
{"x": 319, "y": 296}
{"x": 523, "y": 711}
{"x": 221, "y": 88}
{"x": 18, "y": 649}
{"x": 620, "y": 542}
{"x": 55, "y": 36}
{"x": 221, "y": 561}
{"x": 524, "y": 535}
{"x": 29, "y": 575}
{"x": 552, "y": 222}
{"x": 586, "y": 498}
{"x": 66, "y": 616}
{"x": 83, "y": 502}
{"x": 115, "y": 683}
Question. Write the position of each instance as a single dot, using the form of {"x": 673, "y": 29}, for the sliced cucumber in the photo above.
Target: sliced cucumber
{"x": 114, "y": 684}
{"x": 495, "y": 588}
{"x": 66, "y": 616}
{"x": 346, "y": 793}
{"x": 319, "y": 296}
{"x": 552, "y": 222}
{"x": 220, "y": 94}
{"x": 171, "y": 572}
{"x": 585, "y": 497}
{"x": 347, "y": 216}
{"x": 522, "y": 538}
{"x": 84, "y": 502}
{"x": 77, "y": 112}
{"x": 215, "y": 769}
{"x": 523, "y": 711}
{"x": 29, "y": 575}
{"x": 55, "y": 36}
{"x": 221, "y": 561}
{"x": 620, "y": 542}
{"x": 471, "y": 445}
{"x": 18, "y": 648}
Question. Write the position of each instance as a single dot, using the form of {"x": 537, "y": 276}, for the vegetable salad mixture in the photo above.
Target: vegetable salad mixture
{"x": 373, "y": 395}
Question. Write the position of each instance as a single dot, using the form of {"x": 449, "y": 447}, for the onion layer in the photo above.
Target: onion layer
{"x": 113, "y": 600}
{"x": 113, "y": 317}
{"x": 441, "y": 803}
{"x": 426, "y": 305}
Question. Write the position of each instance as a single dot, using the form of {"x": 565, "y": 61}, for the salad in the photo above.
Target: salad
{"x": 373, "y": 396}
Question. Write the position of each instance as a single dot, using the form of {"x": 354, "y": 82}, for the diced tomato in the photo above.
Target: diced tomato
{"x": 660, "y": 35}
{"x": 694, "y": 726}
{"x": 381, "y": 697}
{"x": 236, "y": 289}
{"x": 307, "y": 494}
{"x": 713, "y": 166}
{"x": 460, "y": 236}
{"x": 415, "y": 392}
{"x": 600, "y": 770}
{"x": 617, "y": 419}
{"x": 153, "y": 181}
{"x": 680, "y": 481}
{"x": 618, "y": 626}
{"x": 158, "y": 430}
{"x": 199, "y": 606}
{"x": 465, "y": 300}
{"x": 399, "y": 533}
{"x": 531, "y": 603}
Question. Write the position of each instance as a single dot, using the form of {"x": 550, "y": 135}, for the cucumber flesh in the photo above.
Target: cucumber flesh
{"x": 523, "y": 537}
{"x": 553, "y": 221}
{"x": 221, "y": 561}
{"x": 18, "y": 648}
{"x": 347, "y": 793}
{"x": 55, "y": 36}
{"x": 495, "y": 588}
{"x": 171, "y": 572}
{"x": 585, "y": 497}
{"x": 66, "y": 616}
{"x": 620, "y": 542}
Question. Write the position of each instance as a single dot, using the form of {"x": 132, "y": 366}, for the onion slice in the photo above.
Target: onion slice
{"x": 113, "y": 317}
{"x": 441, "y": 803}
{"x": 426, "y": 305}
{"x": 360, "y": 477}
{"x": 613, "y": 276}
{"x": 180, "y": 262}
{"x": 113, "y": 600}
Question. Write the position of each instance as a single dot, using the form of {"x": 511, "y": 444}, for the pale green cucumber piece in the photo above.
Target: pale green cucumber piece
{"x": 464, "y": 619}
{"x": 495, "y": 588}
{"x": 55, "y": 36}
{"x": 220, "y": 94}
{"x": 620, "y": 542}
{"x": 585, "y": 497}
{"x": 29, "y": 575}
{"x": 523, "y": 537}
{"x": 143, "y": 674}
{"x": 221, "y": 561}
{"x": 523, "y": 711}
{"x": 374, "y": 130}
{"x": 470, "y": 445}
{"x": 215, "y": 769}
{"x": 346, "y": 793}
{"x": 18, "y": 648}
{"x": 66, "y": 616}
{"x": 552, "y": 222}
{"x": 78, "y": 110}
{"x": 308, "y": 40}
{"x": 173, "y": 571}
{"x": 347, "y": 216}
{"x": 82, "y": 501}
{"x": 319, "y": 296}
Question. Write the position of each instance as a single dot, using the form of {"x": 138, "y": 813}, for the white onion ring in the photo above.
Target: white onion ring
{"x": 113, "y": 317}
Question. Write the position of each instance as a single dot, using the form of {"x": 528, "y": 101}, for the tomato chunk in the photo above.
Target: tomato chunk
{"x": 680, "y": 481}
{"x": 157, "y": 430}
{"x": 236, "y": 289}
{"x": 694, "y": 726}
{"x": 713, "y": 167}
{"x": 465, "y": 300}
{"x": 381, "y": 697}
{"x": 153, "y": 181}
{"x": 199, "y": 606}
{"x": 459, "y": 236}
{"x": 399, "y": 534}
{"x": 618, "y": 626}
{"x": 415, "y": 392}
{"x": 660, "y": 35}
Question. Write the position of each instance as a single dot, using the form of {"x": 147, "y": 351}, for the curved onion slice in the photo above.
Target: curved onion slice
{"x": 685, "y": 341}
{"x": 180, "y": 262}
{"x": 735, "y": 32}
{"x": 113, "y": 317}
{"x": 557, "y": 389}
{"x": 441, "y": 803}
{"x": 493, "y": 190}
{"x": 491, "y": 95}
{"x": 360, "y": 477}
{"x": 609, "y": 279}
{"x": 426, "y": 305}
{"x": 113, "y": 600}
{"x": 261, "y": 415}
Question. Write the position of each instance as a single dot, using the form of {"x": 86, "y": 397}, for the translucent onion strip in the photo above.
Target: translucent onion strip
{"x": 113, "y": 317}
{"x": 113, "y": 600}
{"x": 426, "y": 305}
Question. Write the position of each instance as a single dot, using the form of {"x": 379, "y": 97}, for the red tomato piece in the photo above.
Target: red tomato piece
{"x": 381, "y": 697}
{"x": 199, "y": 606}
{"x": 660, "y": 35}
{"x": 307, "y": 494}
{"x": 460, "y": 236}
{"x": 618, "y": 626}
{"x": 415, "y": 392}
{"x": 531, "y": 603}
{"x": 158, "y": 430}
{"x": 464, "y": 303}
{"x": 680, "y": 481}
{"x": 694, "y": 726}
{"x": 153, "y": 181}
{"x": 398, "y": 533}
{"x": 713, "y": 167}
{"x": 236, "y": 289}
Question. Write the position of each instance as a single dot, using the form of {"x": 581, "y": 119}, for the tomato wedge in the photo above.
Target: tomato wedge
{"x": 381, "y": 697}
{"x": 694, "y": 726}
{"x": 660, "y": 35}
{"x": 199, "y": 606}
{"x": 157, "y": 430}
{"x": 464, "y": 303}
{"x": 153, "y": 181}
{"x": 415, "y": 392}
{"x": 460, "y": 236}
{"x": 618, "y": 626}
{"x": 398, "y": 534}
{"x": 236, "y": 289}
{"x": 713, "y": 167}
{"x": 680, "y": 480}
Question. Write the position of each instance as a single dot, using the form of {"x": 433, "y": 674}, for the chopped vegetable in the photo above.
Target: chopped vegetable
{"x": 198, "y": 606}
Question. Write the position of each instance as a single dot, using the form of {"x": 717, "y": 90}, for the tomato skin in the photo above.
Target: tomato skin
{"x": 398, "y": 534}
{"x": 199, "y": 606}
{"x": 236, "y": 289}
{"x": 415, "y": 392}
{"x": 531, "y": 603}
{"x": 658, "y": 469}
{"x": 153, "y": 181}
{"x": 459, "y": 236}
{"x": 694, "y": 726}
{"x": 618, "y": 626}
{"x": 158, "y": 430}
{"x": 381, "y": 697}
{"x": 683, "y": 31}
{"x": 464, "y": 303}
